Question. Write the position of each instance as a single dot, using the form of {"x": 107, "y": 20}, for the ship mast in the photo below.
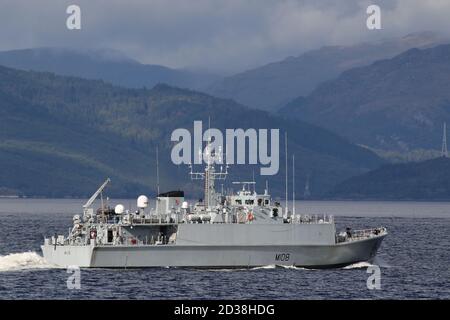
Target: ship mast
{"x": 210, "y": 175}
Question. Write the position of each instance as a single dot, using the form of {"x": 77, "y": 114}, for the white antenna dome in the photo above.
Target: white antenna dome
{"x": 184, "y": 205}
{"x": 142, "y": 202}
{"x": 119, "y": 209}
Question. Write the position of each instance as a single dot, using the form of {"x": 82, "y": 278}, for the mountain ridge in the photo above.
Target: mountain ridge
{"x": 396, "y": 104}
{"x": 102, "y": 64}
{"x": 106, "y": 130}
{"x": 273, "y": 85}
{"x": 426, "y": 180}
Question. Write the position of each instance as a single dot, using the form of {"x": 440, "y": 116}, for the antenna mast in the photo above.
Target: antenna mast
{"x": 293, "y": 184}
{"x": 444, "y": 151}
{"x": 210, "y": 156}
{"x": 157, "y": 170}
{"x": 286, "y": 165}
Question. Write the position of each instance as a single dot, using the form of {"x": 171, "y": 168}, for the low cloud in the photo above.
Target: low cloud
{"x": 217, "y": 35}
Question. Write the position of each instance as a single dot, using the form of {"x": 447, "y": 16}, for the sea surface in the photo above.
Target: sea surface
{"x": 414, "y": 259}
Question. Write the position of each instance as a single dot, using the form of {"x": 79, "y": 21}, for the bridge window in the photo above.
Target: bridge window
{"x": 110, "y": 236}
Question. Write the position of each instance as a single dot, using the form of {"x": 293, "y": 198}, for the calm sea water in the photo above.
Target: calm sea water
{"x": 414, "y": 259}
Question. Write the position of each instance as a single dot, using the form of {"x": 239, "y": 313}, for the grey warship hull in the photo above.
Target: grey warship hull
{"x": 241, "y": 230}
{"x": 214, "y": 256}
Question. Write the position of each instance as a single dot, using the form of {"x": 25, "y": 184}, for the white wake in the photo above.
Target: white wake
{"x": 270, "y": 266}
{"x": 23, "y": 261}
{"x": 359, "y": 265}
{"x": 292, "y": 267}
{"x": 273, "y": 266}
{"x": 376, "y": 262}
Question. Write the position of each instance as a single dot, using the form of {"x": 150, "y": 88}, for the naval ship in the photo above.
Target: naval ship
{"x": 243, "y": 229}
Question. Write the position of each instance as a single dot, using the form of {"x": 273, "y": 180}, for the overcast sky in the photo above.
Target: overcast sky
{"x": 217, "y": 35}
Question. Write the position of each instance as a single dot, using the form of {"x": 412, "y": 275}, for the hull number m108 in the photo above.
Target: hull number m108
{"x": 282, "y": 257}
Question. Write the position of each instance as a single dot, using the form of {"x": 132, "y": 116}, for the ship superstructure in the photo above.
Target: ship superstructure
{"x": 238, "y": 230}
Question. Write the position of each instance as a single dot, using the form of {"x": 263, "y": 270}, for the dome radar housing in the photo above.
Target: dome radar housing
{"x": 142, "y": 202}
{"x": 119, "y": 209}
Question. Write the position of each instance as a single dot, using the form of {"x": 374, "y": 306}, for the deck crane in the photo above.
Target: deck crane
{"x": 87, "y": 210}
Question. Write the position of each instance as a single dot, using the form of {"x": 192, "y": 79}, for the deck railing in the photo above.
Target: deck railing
{"x": 365, "y": 233}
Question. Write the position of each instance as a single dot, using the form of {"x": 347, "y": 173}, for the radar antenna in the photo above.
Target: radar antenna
{"x": 209, "y": 175}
